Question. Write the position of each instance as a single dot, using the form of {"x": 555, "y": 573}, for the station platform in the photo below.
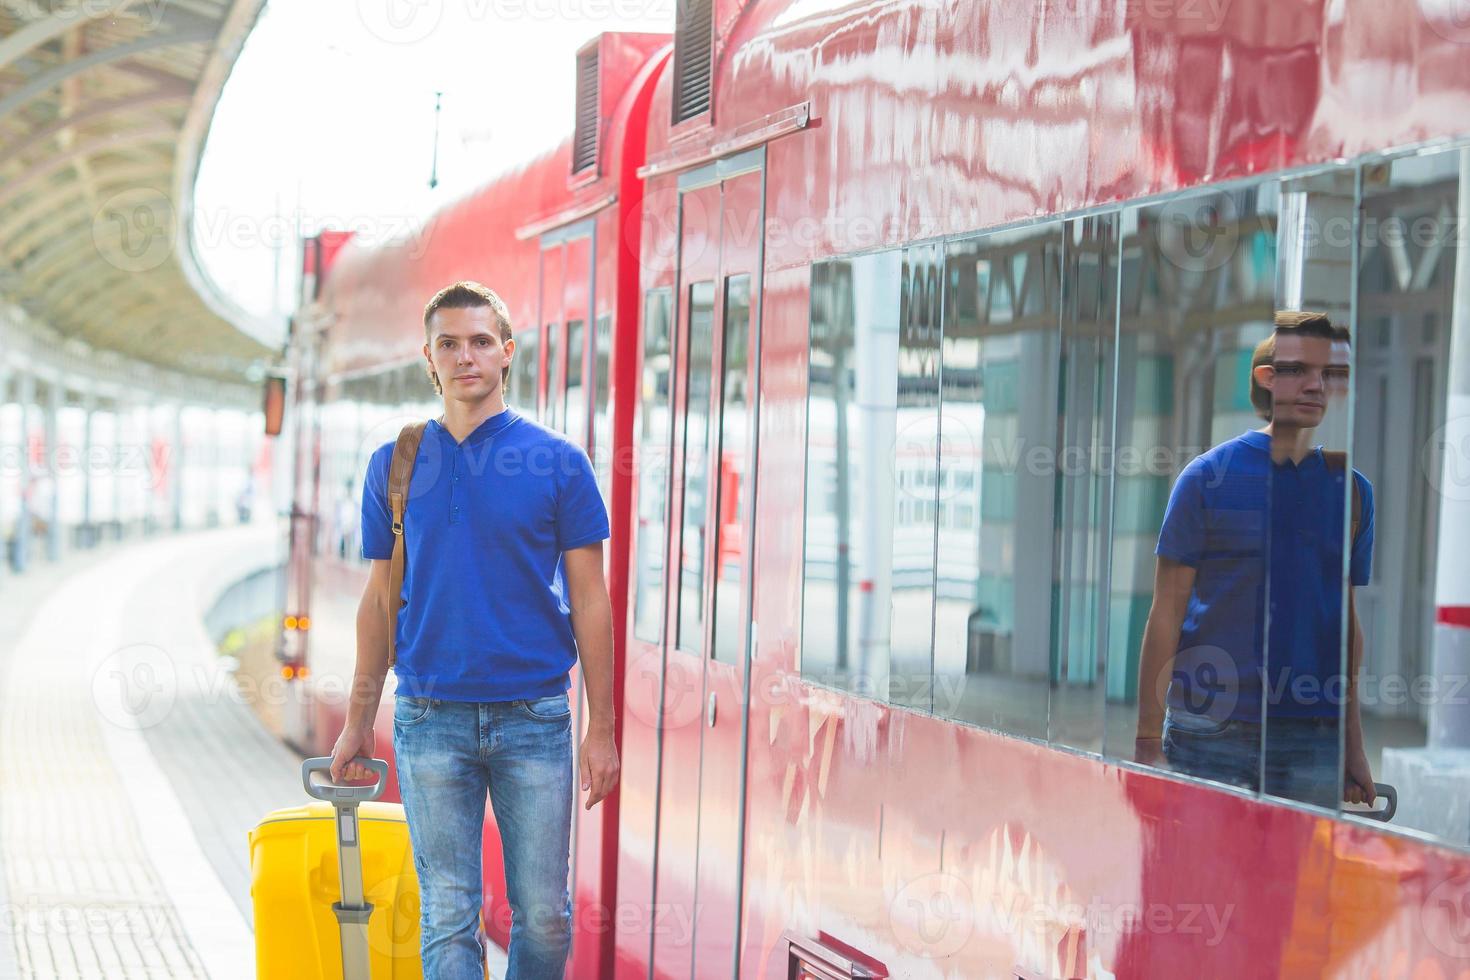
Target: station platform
{"x": 131, "y": 768}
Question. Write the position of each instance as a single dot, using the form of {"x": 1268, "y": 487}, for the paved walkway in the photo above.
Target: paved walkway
{"x": 130, "y": 771}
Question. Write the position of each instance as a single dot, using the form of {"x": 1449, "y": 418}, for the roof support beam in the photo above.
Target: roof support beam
{"x": 19, "y": 231}
{"x": 55, "y": 24}
{"x": 48, "y": 80}
{"x": 175, "y": 94}
{"x": 160, "y": 133}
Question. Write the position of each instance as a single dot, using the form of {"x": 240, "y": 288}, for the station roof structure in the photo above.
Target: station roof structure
{"x": 104, "y": 109}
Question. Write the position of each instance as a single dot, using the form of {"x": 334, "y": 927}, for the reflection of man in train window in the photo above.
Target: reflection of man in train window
{"x": 1255, "y": 521}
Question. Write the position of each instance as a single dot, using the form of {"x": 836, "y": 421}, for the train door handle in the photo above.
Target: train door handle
{"x": 709, "y": 710}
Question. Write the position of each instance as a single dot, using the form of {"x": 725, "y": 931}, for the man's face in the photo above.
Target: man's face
{"x": 1305, "y": 374}
{"x": 464, "y": 349}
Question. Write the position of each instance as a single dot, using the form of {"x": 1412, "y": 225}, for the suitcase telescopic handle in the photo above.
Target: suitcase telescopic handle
{"x": 325, "y": 789}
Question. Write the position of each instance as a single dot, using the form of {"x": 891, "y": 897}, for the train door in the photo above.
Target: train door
{"x": 566, "y": 310}
{"x": 702, "y": 772}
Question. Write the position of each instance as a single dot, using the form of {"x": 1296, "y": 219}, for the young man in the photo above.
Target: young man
{"x": 503, "y": 590}
{"x": 1245, "y": 622}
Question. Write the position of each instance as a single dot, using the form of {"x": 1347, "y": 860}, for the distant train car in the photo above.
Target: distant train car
{"x": 892, "y": 326}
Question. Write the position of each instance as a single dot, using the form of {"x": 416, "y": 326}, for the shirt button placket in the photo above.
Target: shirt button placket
{"x": 454, "y": 490}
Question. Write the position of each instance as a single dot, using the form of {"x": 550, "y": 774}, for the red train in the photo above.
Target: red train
{"x": 814, "y": 280}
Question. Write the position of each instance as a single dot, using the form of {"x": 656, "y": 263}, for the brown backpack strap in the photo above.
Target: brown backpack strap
{"x": 400, "y": 473}
{"x": 1338, "y": 461}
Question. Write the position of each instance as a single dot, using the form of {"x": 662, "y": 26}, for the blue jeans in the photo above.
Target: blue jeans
{"x": 449, "y": 753}
{"x": 1302, "y": 761}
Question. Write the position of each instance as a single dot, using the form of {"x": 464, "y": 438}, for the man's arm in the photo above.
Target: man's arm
{"x": 592, "y": 626}
{"x": 1173, "y": 582}
{"x": 1358, "y": 786}
{"x": 368, "y": 676}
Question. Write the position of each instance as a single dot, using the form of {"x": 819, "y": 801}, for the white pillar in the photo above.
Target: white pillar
{"x": 19, "y": 462}
{"x": 119, "y": 413}
{"x": 89, "y": 407}
{"x": 53, "y": 507}
{"x": 176, "y": 468}
{"x": 213, "y": 457}
{"x": 26, "y": 395}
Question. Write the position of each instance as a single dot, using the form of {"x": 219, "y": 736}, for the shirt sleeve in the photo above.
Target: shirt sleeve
{"x": 377, "y": 522}
{"x": 1182, "y": 536}
{"x": 1361, "y": 563}
{"x": 581, "y": 515}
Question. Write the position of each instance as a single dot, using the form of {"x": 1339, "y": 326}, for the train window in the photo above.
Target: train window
{"x": 555, "y": 359}
{"x": 523, "y": 374}
{"x": 1085, "y": 393}
{"x": 602, "y": 404}
{"x": 1303, "y": 683}
{"x": 692, "y": 544}
{"x": 732, "y": 503}
{"x": 1186, "y": 619}
{"x": 850, "y": 481}
{"x": 1411, "y": 444}
{"x": 576, "y": 398}
{"x": 654, "y": 436}
{"x": 918, "y": 495}
{"x": 994, "y": 659}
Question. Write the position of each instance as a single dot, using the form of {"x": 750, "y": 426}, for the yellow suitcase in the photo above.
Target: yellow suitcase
{"x": 335, "y": 892}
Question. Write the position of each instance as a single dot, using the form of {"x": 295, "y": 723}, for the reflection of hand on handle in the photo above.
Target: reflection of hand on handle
{"x": 1357, "y": 781}
{"x": 351, "y": 743}
{"x": 1389, "y": 795}
{"x": 1149, "y": 752}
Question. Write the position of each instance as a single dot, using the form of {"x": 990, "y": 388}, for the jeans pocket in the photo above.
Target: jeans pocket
{"x": 410, "y": 710}
{"x": 556, "y": 707}
{"x": 1185, "y": 725}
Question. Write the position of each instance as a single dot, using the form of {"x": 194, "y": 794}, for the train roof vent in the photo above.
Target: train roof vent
{"x": 693, "y": 57}
{"x": 584, "y": 137}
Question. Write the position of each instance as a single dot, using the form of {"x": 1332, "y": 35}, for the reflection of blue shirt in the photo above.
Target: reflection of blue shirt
{"x": 1230, "y": 511}
{"x": 487, "y": 520}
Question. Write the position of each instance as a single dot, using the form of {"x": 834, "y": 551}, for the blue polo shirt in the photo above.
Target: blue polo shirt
{"x": 486, "y": 522}
{"x": 1262, "y": 536}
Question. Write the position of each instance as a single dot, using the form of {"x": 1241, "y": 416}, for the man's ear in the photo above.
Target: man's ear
{"x": 1264, "y": 375}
